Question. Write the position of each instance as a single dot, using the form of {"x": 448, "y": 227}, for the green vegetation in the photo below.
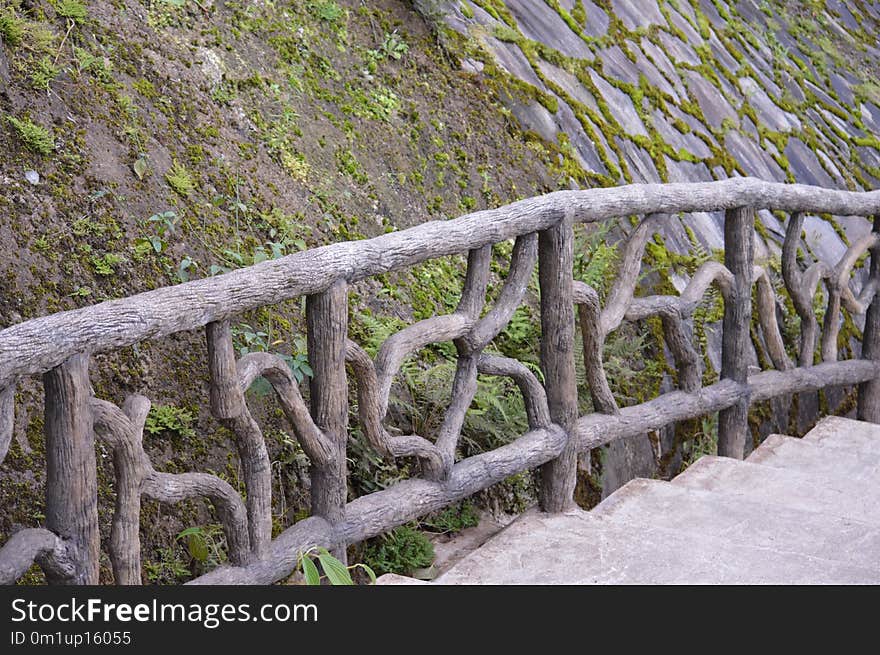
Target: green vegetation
{"x": 36, "y": 138}
{"x": 170, "y": 419}
{"x": 400, "y": 551}
{"x": 180, "y": 179}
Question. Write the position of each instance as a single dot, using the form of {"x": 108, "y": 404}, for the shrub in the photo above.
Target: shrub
{"x": 400, "y": 551}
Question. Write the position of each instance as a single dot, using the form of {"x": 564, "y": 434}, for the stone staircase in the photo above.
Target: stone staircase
{"x": 797, "y": 511}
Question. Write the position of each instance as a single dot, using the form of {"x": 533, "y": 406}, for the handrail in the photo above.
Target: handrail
{"x": 37, "y": 345}
{"x": 59, "y": 346}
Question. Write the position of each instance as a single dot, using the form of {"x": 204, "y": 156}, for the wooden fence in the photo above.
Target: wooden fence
{"x": 59, "y": 348}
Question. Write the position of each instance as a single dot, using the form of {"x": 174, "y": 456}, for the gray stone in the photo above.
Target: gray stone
{"x": 640, "y": 164}
{"x": 615, "y": 63}
{"x": 211, "y": 65}
{"x": 822, "y": 240}
{"x": 32, "y": 176}
{"x": 745, "y": 522}
{"x": 722, "y": 55}
{"x": 842, "y": 88}
{"x": 4, "y": 68}
{"x": 819, "y": 460}
{"x": 678, "y": 50}
{"x": 569, "y": 83}
{"x": 712, "y": 14}
{"x": 768, "y": 111}
{"x": 655, "y": 77}
{"x": 713, "y": 105}
{"x": 472, "y": 65}
{"x": 750, "y": 157}
{"x": 691, "y": 35}
{"x": 532, "y": 115}
{"x": 578, "y": 548}
{"x": 822, "y": 96}
{"x": 511, "y": 59}
{"x": 620, "y": 104}
{"x": 686, "y": 171}
{"x": 871, "y": 116}
{"x": 677, "y": 140}
{"x": 539, "y": 22}
{"x": 588, "y": 156}
{"x": 849, "y": 21}
{"x": 597, "y": 19}
{"x": 834, "y": 495}
{"x": 805, "y": 165}
{"x": 793, "y": 87}
{"x": 638, "y": 13}
{"x": 844, "y": 432}
{"x": 708, "y": 227}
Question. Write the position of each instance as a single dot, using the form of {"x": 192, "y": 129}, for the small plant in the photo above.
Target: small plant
{"x": 170, "y": 419}
{"x": 335, "y": 572}
{"x": 44, "y": 74}
{"x": 186, "y": 266}
{"x": 164, "y": 224}
{"x": 206, "y": 545}
{"x": 35, "y": 137}
{"x": 393, "y": 47}
{"x": 104, "y": 265}
{"x": 73, "y": 10}
{"x": 180, "y": 179}
{"x": 454, "y": 518}
{"x": 12, "y": 28}
{"x": 326, "y": 10}
{"x": 168, "y": 569}
{"x": 400, "y": 551}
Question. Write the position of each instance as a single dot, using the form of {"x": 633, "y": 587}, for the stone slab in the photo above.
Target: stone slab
{"x": 665, "y": 505}
{"x": 579, "y": 548}
{"x": 838, "y": 495}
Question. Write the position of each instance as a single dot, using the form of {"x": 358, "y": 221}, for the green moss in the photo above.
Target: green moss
{"x": 180, "y": 179}
{"x": 12, "y": 28}
{"x": 35, "y": 137}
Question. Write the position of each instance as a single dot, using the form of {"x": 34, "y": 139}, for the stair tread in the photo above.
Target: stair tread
{"x": 845, "y": 433}
{"x": 743, "y": 521}
{"x": 580, "y": 548}
{"x": 834, "y": 495}
{"x": 824, "y": 460}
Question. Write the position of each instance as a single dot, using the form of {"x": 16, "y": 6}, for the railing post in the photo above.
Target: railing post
{"x": 71, "y": 478}
{"x": 327, "y": 329}
{"x": 733, "y": 422}
{"x": 868, "y": 408}
{"x": 555, "y": 261}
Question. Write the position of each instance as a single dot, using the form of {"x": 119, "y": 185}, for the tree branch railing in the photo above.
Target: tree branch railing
{"x": 60, "y": 346}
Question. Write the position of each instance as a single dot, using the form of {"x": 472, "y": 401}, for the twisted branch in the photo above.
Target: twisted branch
{"x": 7, "y": 419}
{"x": 534, "y": 396}
{"x": 836, "y": 283}
{"x": 135, "y": 477}
{"x": 36, "y": 545}
{"x": 230, "y": 408}
{"x": 766, "y": 300}
{"x": 371, "y": 412}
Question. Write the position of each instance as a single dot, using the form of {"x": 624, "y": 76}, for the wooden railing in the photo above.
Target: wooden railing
{"x": 59, "y": 347}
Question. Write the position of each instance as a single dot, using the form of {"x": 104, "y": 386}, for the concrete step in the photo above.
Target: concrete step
{"x": 580, "y": 548}
{"x": 846, "y": 433}
{"x": 823, "y": 461}
{"x": 832, "y": 494}
{"x": 742, "y": 521}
